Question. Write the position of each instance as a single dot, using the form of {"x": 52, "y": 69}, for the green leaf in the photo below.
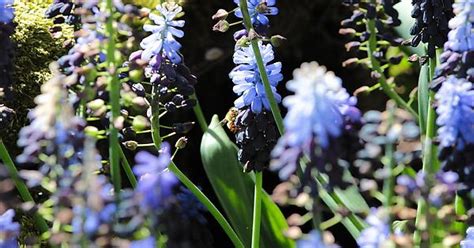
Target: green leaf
{"x": 352, "y": 199}
{"x": 423, "y": 97}
{"x": 400, "y": 225}
{"x": 234, "y": 189}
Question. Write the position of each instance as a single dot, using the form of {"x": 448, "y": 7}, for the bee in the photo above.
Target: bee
{"x": 229, "y": 119}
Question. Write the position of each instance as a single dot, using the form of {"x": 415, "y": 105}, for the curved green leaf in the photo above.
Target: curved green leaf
{"x": 234, "y": 189}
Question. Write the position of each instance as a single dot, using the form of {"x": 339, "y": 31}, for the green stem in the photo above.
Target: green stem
{"x": 199, "y": 114}
{"x": 21, "y": 186}
{"x": 331, "y": 222}
{"x": 389, "y": 183}
{"x": 261, "y": 68}
{"x": 460, "y": 210}
{"x": 114, "y": 88}
{"x": 423, "y": 97}
{"x": 352, "y": 223}
{"x": 429, "y": 165}
{"x": 375, "y": 66}
{"x": 208, "y": 204}
{"x": 257, "y": 210}
{"x": 127, "y": 168}
{"x": 155, "y": 118}
{"x": 317, "y": 212}
{"x": 429, "y": 169}
{"x": 155, "y": 112}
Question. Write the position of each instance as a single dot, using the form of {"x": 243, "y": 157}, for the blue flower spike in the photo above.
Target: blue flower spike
{"x": 162, "y": 41}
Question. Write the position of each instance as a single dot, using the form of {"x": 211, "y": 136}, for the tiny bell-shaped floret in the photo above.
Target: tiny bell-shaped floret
{"x": 220, "y": 15}
{"x": 221, "y": 26}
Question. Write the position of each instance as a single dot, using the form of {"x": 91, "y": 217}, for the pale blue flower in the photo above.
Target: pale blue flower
{"x": 99, "y": 208}
{"x": 318, "y": 106}
{"x": 9, "y": 230}
{"x": 6, "y": 11}
{"x": 162, "y": 40}
{"x": 155, "y": 182}
{"x": 378, "y": 231}
{"x": 461, "y": 37}
{"x": 468, "y": 242}
{"x": 258, "y": 11}
{"x": 455, "y": 100}
{"x": 317, "y": 113}
{"x": 247, "y": 79}
{"x": 312, "y": 240}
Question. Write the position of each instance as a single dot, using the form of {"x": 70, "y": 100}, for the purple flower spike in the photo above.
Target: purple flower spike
{"x": 9, "y": 230}
{"x": 155, "y": 184}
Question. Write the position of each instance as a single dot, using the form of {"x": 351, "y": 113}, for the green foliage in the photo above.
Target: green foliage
{"x": 234, "y": 190}
{"x": 35, "y": 49}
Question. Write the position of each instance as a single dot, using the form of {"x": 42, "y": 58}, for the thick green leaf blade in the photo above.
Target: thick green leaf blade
{"x": 234, "y": 190}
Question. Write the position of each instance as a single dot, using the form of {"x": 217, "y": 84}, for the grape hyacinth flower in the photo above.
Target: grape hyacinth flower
{"x": 62, "y": 11}
{"x": 247, "y": 79}
{"x": 468, "y": 242}
{"x": 54, "y": 129}
{"x": 439, "y": 195}
{"x": 431, "y": 25}
{"x": 189, "y": 206}
{"x": 256, "y": 131}
{"x": 453, "y": 82}
{"x": 458, "y": 56}
{"x": 455, "y": 113}
{"x": 461, "y": 38}
{"x": 6, "y": 11}
{"x": 381, "y": 131}
{"x": 99, "y": 207}
{"x": 385, "y": 17}
{"x": 183, "y": 222}
{"x": 455, "y": 108}
{"x": 319, "y": 113}
{"x": 86, "y": 47}
{"x": 258, "y": 11}
{"x": 155, "y": 183}
{"x": 378, "y": 232}
{"x": 9, "y": 230}
{"x": 162, "y": 41}
{"x": 174, "y": 84}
